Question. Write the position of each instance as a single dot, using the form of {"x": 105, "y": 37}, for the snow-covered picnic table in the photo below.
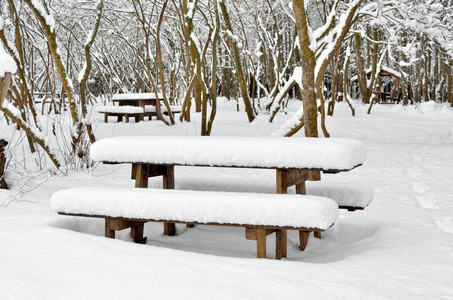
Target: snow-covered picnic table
{"x": 260, "y": 214}
{"x": 292, "y": 158}
{"x": 148, "y": 101}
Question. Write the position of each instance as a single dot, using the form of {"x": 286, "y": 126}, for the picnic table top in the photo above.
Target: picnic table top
{"x": 138, "y": 96}
{"x": 333, "y": 154}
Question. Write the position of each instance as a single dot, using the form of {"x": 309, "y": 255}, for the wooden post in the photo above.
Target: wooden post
{"x": 317, "y": 234}
{"x": 303, "y": 237}
{"x": 260, "y": 242}
{"x": 137, "y": 233}
{"x": 300, "y": 189}
{"x": 141, "y": 181}
{"x": 169, "y": 177}
{"x": 108, "y": 232}
{"x": 141, "y": 175}
{"x": 281, "y": 243}
{"x": 169, "y": 183}
{"x": 282, "y": 181}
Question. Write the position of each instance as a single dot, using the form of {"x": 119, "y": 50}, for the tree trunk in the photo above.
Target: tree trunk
{"x": 308, "y": 63}
{"x": 237, "y": 62}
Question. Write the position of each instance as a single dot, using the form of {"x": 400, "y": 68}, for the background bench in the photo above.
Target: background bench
{"x": 350, "y": 196}
{"x": 260, "y": 214}
{"x": 150, "y": 111}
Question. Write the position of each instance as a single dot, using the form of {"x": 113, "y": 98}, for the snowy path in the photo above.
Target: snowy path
{"x": 398, "y": 248}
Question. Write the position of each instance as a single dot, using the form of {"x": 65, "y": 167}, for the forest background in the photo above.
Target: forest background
{"x": 259, "y": 53}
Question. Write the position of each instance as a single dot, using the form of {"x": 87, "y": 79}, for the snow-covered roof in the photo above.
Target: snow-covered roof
{"x": 264, "y": 152}
{"x": 139, "y": 96}
{"x": 195, "y": 206}
{"x": 383, "y": 69}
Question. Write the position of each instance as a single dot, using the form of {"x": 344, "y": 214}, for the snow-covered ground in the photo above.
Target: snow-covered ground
{"x": 400, "y": 247}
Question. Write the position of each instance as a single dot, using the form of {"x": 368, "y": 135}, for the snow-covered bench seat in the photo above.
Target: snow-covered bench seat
{"x": 350, "y": 196}
{"x": 260, "y": 214}
{"x": 121, "y": 111}
{"x": 150, "y": 110}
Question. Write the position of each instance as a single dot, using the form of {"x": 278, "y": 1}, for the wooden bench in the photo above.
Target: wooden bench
{"x": 350, "y": 196}
{"x": 121, "y": 111}
{"x": 260, "y": 214}
{"x": 150, "y": 111}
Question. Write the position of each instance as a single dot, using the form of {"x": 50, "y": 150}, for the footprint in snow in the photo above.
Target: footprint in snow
{"x": 444, "y": 224}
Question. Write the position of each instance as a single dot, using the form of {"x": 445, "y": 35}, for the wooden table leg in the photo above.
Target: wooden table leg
{"x": 282, "y": 181}
{"x": 303, "y": 237}
{"x": 317, "y": 234}
{"x": 260, "y": 242}
{"x": 281, "y": 243}
{"x": 137, "y": 233}
{"x": 300, "y": 189}
{"x": 169, "y": 183}
{"x": 108, "y": 232}
{"x": 141, "y": 175}
{"x": 141, "y": 181}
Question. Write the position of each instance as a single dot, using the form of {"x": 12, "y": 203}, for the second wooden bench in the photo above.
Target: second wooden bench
{"x": 260, "y": 214}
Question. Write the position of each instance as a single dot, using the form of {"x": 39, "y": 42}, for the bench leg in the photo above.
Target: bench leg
{"x": 281, "y": 243}
{"x": 108, "y": 232}
{"x": 137, "y": 118}
{"x": 137, "y": 234}
{"x": 303, "y": 238}
{"x": 317, "y": 234}
{"x": 127, "y": 118}
{"x": 300, "y": 189}
{"x": 260, "y": 242}
{"x": 119, "y": 119}
{"x": 106, "y": 117}
{"x": 169, "y": 228}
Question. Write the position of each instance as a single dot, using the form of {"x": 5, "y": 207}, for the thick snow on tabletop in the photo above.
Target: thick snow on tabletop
{"x": 265, "y": 152}
{"x": 196, "y": 206}
{"x": 141, "y": 96}
{"x": 120, "y": 109}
